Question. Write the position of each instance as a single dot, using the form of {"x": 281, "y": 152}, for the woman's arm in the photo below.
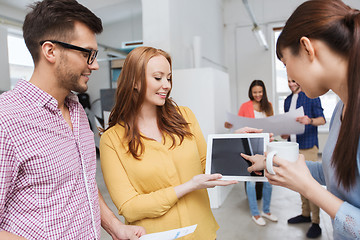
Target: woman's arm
{"x": 296, "y": 176}
{"x": 198, "y": 135}
{"x": 136, "y": 206}
{"x": 200, "y": 182}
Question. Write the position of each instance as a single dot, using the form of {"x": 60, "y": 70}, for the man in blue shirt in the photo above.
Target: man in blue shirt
{"x": 308, "y": 146}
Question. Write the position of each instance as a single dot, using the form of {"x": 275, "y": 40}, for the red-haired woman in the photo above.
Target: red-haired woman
{"x": 153, "y": 153}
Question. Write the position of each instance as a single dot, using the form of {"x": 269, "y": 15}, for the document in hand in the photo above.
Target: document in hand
{"x": 171, "y": 234}
{"x": 279, "y": 124}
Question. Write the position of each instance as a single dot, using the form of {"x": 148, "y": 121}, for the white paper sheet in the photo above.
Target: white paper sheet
{"x": 170, "y": 235}
{"x": 278, "y": 124}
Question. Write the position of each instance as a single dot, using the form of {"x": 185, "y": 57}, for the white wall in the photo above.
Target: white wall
{"x": 205, "y": 92}
{"x": 175, "y": 25}
{"x": 245, "y": 59}
{"x": 12, "y": 13}
{"x": 129, "y": 29}
{"x": 113, "y": 35}
{"x": 156, "y": 24}
{"x": 203, "y": 18}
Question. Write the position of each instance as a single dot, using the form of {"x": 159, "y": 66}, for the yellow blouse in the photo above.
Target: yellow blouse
{"x": 143, "y": 190}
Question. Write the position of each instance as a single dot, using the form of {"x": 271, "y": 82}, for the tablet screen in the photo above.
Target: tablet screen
{"x": 224, "y": 155}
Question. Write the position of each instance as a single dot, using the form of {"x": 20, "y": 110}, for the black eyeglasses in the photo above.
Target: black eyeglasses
{"x": 92, "y": 53}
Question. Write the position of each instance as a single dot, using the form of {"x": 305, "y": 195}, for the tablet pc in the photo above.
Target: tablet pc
{"x": 223, "y": 155}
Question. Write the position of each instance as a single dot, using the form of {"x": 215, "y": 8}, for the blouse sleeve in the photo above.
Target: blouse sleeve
{"x": 317, "y": 109}
{"x": 200, "y": 140}
{"x": 242, "y": 111}
{"x": 131, "y": 204}
{"x": 347, "y": 221}
{"x": 316, "y": 171}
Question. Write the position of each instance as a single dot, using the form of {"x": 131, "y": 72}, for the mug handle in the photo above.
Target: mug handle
{"x": 269, "y": 162}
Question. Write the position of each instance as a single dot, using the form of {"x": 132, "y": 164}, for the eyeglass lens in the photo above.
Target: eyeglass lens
{"x": 92, "y": 57}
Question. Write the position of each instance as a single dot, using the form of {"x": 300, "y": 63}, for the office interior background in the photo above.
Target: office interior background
{"x": 218, "y": 48}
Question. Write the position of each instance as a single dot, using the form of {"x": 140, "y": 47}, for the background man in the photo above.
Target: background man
{"x": 308, "y": 146}
{"x": 47, "y": 151}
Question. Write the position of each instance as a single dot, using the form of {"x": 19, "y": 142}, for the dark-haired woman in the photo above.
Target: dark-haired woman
{"x": 320, "y": 47}
{"x": 153, "y": 153}
{"x": 258, "y": 107}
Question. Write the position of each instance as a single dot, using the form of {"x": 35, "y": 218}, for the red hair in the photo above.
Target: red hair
{"x": 129, "y": 101}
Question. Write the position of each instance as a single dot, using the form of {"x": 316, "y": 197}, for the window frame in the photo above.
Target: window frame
{"x": 22, "y": 71}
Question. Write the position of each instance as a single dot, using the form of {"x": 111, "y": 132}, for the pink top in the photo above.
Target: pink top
{"x": 247, "y": 110}
{"x": 47, "y": 171}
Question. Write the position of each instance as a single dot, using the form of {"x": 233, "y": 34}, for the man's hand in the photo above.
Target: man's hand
{"x": 305, "y": 120}
{"x": 113, "y": 226}
{"x": 126, "y": 232}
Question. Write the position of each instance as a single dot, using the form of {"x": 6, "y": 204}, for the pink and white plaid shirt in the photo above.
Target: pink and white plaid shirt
{"x": 47, "y": 171}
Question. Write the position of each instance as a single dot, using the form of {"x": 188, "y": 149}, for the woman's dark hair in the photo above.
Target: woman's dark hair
{"x": 129, "y": 101}
{"x": 265, "y": 105}
{"x": 338, "y": 26}
{"x": 54, "y": 19}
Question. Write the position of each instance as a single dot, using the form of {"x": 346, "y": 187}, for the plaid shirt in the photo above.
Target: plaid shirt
{"x": 313, "y": 109}
{"x": 47, "y": 171}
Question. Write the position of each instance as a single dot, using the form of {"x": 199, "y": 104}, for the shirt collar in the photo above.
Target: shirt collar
{"x": 42, "y": 98}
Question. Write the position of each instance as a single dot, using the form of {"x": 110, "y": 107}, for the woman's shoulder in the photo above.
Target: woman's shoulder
{"x": 186, "y": 112}
{"x": 245, "y": 104}
{"x": 115, "y": 131}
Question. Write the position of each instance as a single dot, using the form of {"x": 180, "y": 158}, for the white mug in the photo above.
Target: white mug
{"x": 285, "y": 150}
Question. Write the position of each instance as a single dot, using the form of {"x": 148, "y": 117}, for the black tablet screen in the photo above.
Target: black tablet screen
{"x": 226, "y": 159}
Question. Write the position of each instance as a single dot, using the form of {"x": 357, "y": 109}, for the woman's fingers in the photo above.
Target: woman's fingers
{"x": 221, "y": 183}
{"x": 211, "y": 180}
{"x": 258, "y": 162}
{"x": 248, "y": 130}
{"x": 247, "y": 157}
{"x": 228, "y": 125}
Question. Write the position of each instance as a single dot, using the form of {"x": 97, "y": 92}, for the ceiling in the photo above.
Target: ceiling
{"x": 108, "y": 10}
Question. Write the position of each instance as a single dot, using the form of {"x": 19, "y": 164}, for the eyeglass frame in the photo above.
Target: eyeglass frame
{"x": 91, "y": 52}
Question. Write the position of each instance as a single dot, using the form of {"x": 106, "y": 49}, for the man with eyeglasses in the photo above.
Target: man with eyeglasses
{"x": 47, "y": 152}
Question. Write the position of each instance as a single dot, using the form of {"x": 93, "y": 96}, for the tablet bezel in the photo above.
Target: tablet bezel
{"x": 211, "y": 137}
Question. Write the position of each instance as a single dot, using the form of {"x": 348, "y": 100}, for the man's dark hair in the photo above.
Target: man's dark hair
{"x": 54, "y": 20}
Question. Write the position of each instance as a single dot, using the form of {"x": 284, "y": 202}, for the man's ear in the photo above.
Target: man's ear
{"x": 48, "y": 51}
{"x": 308, "y": 47}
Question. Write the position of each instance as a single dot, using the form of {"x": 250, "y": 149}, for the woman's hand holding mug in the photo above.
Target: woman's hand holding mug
{"x": 283, "y": 165}
{"x": 284, "y": 150}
